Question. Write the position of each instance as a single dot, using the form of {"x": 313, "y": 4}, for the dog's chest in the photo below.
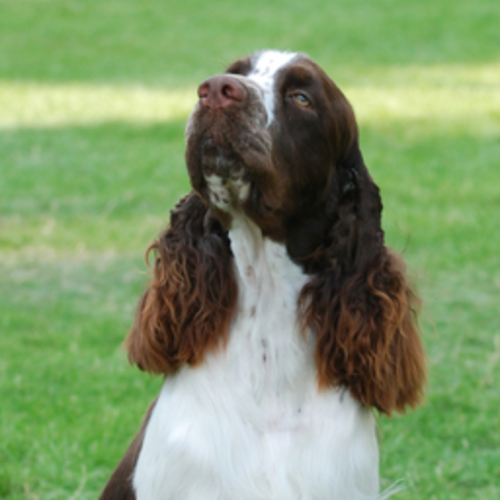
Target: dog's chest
{"x": 249, "y": 423}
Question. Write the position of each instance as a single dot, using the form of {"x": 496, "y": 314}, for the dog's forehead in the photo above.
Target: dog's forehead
{"x": 265, "y": 68}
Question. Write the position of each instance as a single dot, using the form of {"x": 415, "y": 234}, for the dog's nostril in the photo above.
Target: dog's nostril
{"x": 203, "y": 90}
{"x": 234, "y": 90}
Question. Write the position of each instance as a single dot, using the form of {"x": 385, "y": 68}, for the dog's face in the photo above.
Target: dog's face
{"x": 265, "y": 138}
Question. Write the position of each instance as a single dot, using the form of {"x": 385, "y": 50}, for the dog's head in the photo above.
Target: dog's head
{"x": 273, "y": 137}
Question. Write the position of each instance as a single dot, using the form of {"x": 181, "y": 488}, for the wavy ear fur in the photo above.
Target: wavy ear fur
{"x": 360, "y": 304}
{"x": 187, "y": 308}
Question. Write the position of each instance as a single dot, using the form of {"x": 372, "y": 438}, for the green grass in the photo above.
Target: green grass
{"x": 93, "y": 102}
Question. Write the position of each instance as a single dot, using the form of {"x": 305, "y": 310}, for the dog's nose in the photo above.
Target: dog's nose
{"x": 221, "y": 91}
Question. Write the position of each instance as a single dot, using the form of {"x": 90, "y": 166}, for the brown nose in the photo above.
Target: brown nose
{"x": 221, "y": 91}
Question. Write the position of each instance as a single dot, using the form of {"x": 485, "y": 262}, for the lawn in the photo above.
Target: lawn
{"x": 93, "y": 102}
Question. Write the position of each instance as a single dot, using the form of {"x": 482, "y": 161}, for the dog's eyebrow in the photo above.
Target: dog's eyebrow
{"x": 299, "y": 75}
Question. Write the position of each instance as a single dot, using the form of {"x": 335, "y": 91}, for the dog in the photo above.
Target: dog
{"x": 277, "y": 315}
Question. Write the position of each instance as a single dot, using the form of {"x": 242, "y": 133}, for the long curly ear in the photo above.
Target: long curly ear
{"x": 187, "y": 308}
{"x": 360, "y": 304}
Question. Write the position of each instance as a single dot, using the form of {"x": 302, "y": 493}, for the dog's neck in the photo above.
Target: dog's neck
{"x": 262, "y": 262}
{"x": 266, "y": 332}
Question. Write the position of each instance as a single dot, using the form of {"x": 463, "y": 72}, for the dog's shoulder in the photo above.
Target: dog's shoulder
{"x": 119, "y": 486}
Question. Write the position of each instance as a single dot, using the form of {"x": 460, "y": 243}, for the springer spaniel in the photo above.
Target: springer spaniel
{"x": 276, "y": 314}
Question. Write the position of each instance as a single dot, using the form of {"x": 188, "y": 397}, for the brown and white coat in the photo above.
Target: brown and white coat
{"x": 276, "y": 313}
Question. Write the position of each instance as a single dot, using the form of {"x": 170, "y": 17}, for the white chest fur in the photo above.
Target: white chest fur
{"x": 250, "y": 423}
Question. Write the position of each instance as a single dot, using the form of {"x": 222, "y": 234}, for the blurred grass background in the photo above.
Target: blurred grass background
{"x": 93, "y": 102}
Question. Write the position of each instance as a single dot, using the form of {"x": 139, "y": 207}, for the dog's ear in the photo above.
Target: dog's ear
{"x": 187, "y": 308}
{"x": 360, "y": 303}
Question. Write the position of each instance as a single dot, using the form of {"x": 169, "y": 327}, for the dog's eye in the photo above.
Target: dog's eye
{"x": 301, "y": 99}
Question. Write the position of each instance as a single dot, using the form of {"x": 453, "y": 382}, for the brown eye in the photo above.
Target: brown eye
{"x": 301, "y": 99}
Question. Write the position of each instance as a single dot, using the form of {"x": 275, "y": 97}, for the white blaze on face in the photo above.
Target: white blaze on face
{"x": 264, "y": 74}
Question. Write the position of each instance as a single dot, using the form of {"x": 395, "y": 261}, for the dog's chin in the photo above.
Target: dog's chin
{"x": 227, "y": 182}
{"x": 218, "y": 172}
{"x": 220, "y": 159}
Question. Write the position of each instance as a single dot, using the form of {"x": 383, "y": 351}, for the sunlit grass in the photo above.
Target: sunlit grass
{"x": 452, "y": 96}
{"x": 36, "y": 104}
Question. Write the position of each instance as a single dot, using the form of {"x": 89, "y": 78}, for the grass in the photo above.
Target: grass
{"x": 93, "y": 102}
